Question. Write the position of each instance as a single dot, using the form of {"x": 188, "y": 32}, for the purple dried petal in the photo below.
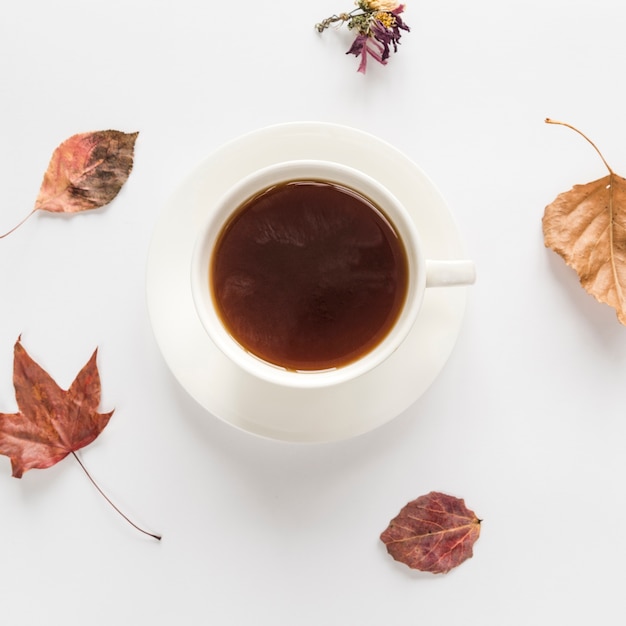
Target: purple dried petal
{"x": 359, "y": 48}
{"x": 377, "y": 41}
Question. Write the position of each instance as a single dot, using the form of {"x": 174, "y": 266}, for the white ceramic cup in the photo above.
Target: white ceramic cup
{"x": 422, "y": 273}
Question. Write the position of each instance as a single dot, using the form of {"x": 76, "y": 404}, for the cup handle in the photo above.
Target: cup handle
{"x": 450, "y": 273}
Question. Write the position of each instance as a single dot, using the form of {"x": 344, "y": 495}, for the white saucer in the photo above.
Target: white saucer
{"x": 229, "y": 393}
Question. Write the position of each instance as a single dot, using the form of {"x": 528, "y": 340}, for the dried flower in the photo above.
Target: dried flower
{"x": 378, "y": 25}
{"x": 381, "y": 5}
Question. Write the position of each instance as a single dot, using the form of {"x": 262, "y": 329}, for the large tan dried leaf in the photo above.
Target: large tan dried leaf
{"x": 587, "y": 227}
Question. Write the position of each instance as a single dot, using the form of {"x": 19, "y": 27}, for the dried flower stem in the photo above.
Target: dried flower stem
{"x": 342, "y": 17}
{"x": 95, "y": 484}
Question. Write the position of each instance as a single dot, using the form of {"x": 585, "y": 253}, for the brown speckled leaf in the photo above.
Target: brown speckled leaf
{"x": 50, "y": 422}
{"x": 86, "y": 171}
{"x": 433, "y": 533}
{"x": 587, "y": 227}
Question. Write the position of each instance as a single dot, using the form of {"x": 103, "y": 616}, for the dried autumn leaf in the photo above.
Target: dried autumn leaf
{"x": 586, "y": 226}
{"x": 85, "y": 172}
{"x": 52, "y": 423}
{"x": 433, "y": 533}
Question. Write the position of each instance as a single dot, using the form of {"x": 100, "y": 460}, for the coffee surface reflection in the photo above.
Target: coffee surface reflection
{"x": 308, "y": 275}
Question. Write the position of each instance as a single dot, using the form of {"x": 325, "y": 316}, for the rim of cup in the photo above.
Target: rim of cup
{"x": 218, "y": 215}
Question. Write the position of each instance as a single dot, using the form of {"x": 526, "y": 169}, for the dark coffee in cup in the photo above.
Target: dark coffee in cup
{"x": 308, "y": 275}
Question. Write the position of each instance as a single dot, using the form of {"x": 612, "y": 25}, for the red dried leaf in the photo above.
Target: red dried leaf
{"x": 51, "y": 422}
{"x": 434, "y": 533}
{"x": 86, "y": 171}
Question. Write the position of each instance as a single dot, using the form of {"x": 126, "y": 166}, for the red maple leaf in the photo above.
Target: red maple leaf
{"x": 433, "y": 533}
{"x": 50, "y": 422}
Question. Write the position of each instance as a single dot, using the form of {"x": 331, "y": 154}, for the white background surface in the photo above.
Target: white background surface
{"x": 526, "y": 421}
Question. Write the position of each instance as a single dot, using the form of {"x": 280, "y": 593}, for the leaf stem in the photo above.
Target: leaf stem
{"x": 95, "y": 484}
{"x": 549, "y": 121}
{"x": 16, "y": 227}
